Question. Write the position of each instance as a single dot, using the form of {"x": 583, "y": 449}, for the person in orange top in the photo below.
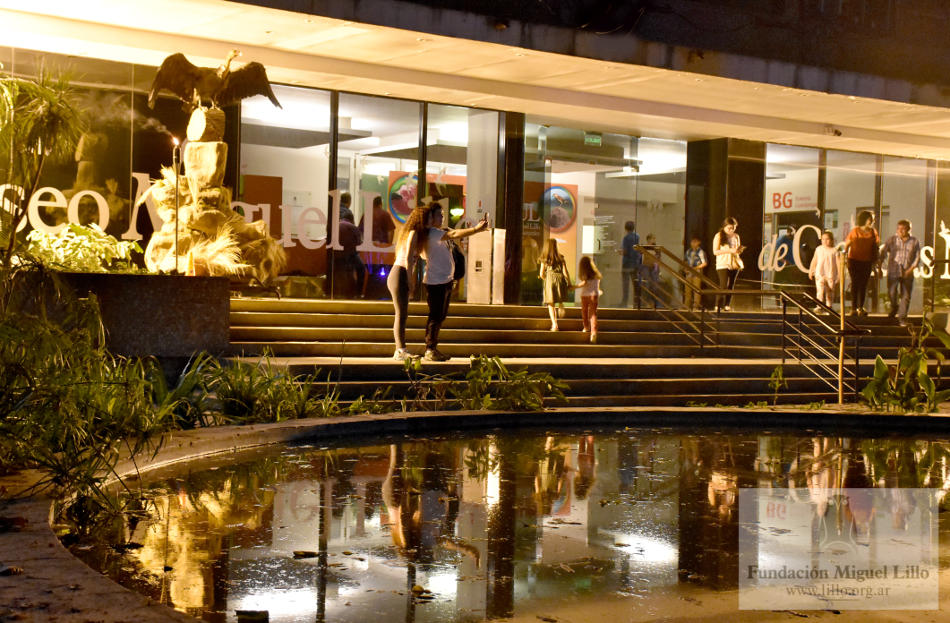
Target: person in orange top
{"x": 862, "y": 249}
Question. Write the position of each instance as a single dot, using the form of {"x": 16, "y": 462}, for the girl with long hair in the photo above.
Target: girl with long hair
{"x": 590, "y": 293}
{"x": 727, "y": 247}
{"x": 554, "y": 274}
{"x": 412, "y": 237}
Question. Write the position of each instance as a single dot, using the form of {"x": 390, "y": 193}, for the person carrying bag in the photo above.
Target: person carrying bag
{"x": 557, "y": 280}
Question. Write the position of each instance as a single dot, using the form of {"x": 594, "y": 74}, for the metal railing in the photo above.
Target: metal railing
{"x": 807, "y": 337}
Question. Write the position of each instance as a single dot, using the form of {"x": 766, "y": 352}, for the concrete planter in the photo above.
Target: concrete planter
{"x": 168, "y": 316}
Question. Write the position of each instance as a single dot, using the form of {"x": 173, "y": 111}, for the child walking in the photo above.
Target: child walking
{"x": 589, "y": 285}
{"x": 557, "y": 283}
{"x": 824, "y": 269}
{"x": 695, "y": 258}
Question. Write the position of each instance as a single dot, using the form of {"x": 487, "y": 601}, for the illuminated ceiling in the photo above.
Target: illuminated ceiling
{"x": 591, "y": 94}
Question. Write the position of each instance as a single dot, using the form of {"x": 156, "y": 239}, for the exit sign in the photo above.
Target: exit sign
{"x": 593, "y": 138}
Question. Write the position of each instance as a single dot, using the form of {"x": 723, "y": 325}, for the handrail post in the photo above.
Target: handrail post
{"x": 784, "y": 310}
{"x": 857, "y": 364}
{"x": 801, "y": 334}
{"x": 702, "y": 324}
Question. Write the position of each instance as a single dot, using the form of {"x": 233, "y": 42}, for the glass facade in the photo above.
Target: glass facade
{"x": 810, "y": 190}
{"x": 334, "y": 175}
{"x": 123, "y": 146}
{"x": 581, "y": 188}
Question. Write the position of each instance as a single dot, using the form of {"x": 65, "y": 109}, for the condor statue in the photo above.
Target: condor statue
{"x": 218, "y": 87}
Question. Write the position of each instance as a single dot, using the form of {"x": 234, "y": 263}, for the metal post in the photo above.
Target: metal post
{"x": 801, "y": 334}
{"x": 857, "y": 365}
{"x": 784, "y": 310}
{"x": 176, "y": 157}
{"x": 702, "y": 324}
{"x": 841, "y": 337}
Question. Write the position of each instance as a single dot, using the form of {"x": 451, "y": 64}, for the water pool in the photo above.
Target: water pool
{"x": 570, "y": 525}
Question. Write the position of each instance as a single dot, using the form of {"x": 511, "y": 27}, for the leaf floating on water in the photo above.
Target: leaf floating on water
{"x": 11, "y": 570}
{"x": 347, "y": 552}
{"x": 547, "y": 619}
{"x": 565, "y": 568}
{"x": 300, "y": 553}
{"x": 167, "y": 568}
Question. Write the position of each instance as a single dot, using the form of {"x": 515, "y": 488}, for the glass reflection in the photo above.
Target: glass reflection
{"x": 492, "y": 527}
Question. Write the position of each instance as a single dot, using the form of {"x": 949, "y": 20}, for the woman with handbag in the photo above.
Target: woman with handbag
{"x": 557, "y": 281}
{"x": 727, "y": 248}
{"x": 863, "y": 249}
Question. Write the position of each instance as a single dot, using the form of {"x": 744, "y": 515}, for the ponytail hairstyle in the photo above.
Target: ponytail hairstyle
{"x": 587, "y": 269}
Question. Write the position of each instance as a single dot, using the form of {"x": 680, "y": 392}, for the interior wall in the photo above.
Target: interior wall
{"x": 305, "y": 178}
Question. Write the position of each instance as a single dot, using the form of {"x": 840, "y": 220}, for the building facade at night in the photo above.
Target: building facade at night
{"x": 566, "y": 124}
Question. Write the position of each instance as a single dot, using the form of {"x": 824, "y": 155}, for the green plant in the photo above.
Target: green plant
{"x": 187, "y": 401}
{"x": 379, "y": 402}
{"x": 777, "y": 382}
{"x": 68, "y": 407}
{"x": 83, "y": 249}
{"x": 818, "y": 405}
{"x": 490, "y": 384}
{"x": 757, "y": 405}
{"x": 251, "y": 392}
{"x": 39, "y": 122}
{"x": 908, "y": 386}
{"x": 487, "y": 384}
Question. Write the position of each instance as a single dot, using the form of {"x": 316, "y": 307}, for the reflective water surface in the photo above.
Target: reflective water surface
{"x": 635, "y": 525}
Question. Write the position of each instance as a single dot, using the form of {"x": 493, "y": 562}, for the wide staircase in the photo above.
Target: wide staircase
{"x": 642, "y": 357}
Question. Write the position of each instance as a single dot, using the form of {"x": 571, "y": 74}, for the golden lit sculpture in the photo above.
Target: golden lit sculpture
{"x": 218, "y": 87}
{"x": 213, "y": 239}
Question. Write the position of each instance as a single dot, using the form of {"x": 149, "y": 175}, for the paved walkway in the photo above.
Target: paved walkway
{"x": 55, "y": 586}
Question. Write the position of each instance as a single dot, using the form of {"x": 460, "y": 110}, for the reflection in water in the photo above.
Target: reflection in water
{"x": 496, "y": 526}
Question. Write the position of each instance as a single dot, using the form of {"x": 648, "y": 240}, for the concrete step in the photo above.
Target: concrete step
{"x": 698, "y": 399}
{"x": 632, "y": 387}
{"x": 380, "y": 370}
{"x": 569, "y": 335}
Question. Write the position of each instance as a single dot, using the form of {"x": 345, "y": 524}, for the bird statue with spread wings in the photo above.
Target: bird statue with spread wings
{"x": 217, "y": 87}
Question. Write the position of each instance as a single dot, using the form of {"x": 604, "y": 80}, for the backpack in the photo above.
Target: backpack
{"x": 459, "y": 258}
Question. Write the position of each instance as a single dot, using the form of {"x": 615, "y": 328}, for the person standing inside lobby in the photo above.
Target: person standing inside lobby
{"x": 862, "y": 249}
{"x": 903, "y": 253}
{"x": 630, "y": 266}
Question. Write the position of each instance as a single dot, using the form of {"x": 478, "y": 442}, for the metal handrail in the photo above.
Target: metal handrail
{"x": 807, "y": 342}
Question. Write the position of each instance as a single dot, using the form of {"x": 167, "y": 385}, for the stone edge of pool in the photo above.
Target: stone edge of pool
{"x": 57, "y": 586}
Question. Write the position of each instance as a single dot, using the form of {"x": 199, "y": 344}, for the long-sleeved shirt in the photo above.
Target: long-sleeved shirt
{"x": 902, "y": 253}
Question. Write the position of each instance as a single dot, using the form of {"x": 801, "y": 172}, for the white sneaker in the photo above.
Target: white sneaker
{"x": 401, "y": 354}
